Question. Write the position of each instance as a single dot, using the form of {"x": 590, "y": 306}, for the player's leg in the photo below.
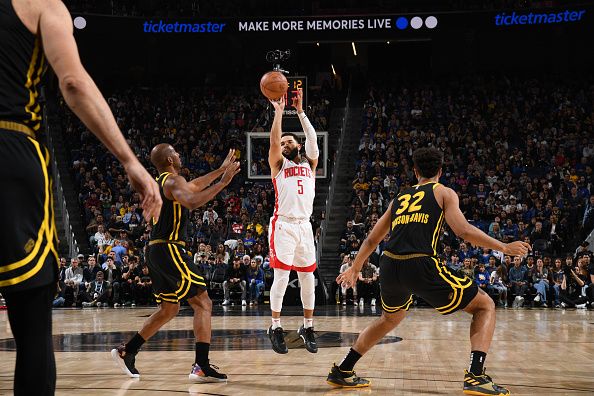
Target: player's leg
{"x": 448, "y": 293}
{"x": 476, "y": 382}
{"x": 164, "y": 314}
{"x": 277, "y": 293}
{"x": 28, "y": 260}
{"x": 202, "y": 370}
{"x": 169, "y": 285}
{"x": 308, "y": 296}
{"x": 283, "y": 241}
{"x": 396, "y": 300}
{"x": 30, "y": 316}
{"x": 125, "y": 354}
{"x": 304, "y": 263}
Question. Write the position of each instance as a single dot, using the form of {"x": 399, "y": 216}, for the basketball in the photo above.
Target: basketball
{"x": 273, "y": 85}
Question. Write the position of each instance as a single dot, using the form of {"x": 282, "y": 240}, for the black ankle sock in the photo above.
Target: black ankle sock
{"x": 135, "y": 343}
{"x": 350, "y": 360}
{"x": 477, "y": 361}
{"x": 202, "y": 349}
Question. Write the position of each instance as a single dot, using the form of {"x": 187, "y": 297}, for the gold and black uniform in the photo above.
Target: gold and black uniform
{"x": 172, "y": 270}
{"x": 409, "y": 264}
{"x": 28, "y": 256}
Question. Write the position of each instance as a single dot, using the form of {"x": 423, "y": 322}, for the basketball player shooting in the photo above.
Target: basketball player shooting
{"x": 290, "y": 232}
{"x": 409, "y": 265}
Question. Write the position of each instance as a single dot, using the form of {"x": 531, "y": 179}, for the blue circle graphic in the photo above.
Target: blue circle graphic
{"x": 401, "y": 23}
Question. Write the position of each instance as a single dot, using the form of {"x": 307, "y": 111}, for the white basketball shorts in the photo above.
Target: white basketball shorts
{"x": 291, "y": 244}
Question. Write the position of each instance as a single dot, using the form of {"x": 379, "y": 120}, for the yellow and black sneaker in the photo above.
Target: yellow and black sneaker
{"x": 345, "y": 379}
{"x": 482, "y": 385}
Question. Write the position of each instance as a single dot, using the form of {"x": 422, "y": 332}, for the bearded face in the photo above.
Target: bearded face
{"x": 289, "y": 147}
{"x": 291, "y": 154}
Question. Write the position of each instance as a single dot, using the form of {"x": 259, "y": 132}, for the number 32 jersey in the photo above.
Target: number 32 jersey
{"x": 294, "y": 189}
{"x": 415, "y": 221}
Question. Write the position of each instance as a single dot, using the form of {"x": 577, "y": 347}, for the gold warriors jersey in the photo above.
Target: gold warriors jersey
{"x": 173, "y": 220}
{"x": 22, "y": 67}
{"x": 415, "y": 221}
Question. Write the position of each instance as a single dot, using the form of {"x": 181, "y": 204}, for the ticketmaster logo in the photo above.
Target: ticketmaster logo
{"x": 181, "y": 27}
{"x": 538, "y": 18}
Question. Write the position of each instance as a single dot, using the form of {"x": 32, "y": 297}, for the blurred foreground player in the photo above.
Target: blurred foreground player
{"x": 33, "y": 34}
{"x": 409, "y": 265}
{"x": 174, "y": 275}
{"x": 290, "y": 233}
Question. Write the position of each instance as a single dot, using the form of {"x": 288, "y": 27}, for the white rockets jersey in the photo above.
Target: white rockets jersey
{"x": 294, "y": 189}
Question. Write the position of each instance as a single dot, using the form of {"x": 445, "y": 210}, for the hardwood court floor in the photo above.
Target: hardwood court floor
{"x": 544, "y": 352}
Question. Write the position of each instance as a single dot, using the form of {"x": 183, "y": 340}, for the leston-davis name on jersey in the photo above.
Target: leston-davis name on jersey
{"x": 297, "y": 171}
{"x": 411, "y": 218}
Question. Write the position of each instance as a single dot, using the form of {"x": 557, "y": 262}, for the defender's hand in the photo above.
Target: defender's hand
{"x": 147, "y": 187}
{"x": 517, "y": 248}
{"x": 348, "y": 278}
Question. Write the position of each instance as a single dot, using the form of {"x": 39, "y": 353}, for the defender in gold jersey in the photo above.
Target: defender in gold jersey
{"x": 409, "y": 265}
{"x": 35, "y": 34}
{"x": 173, "y": 272}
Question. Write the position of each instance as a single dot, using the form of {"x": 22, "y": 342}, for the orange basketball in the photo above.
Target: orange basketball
{"x": 273, "y": 85}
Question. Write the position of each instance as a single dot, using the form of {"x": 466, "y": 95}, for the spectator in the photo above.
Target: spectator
{"x": 235, "y": 278}
{"x": 200, "y": 258}
{"x": 245, "y": 261}
{"x": 90, "y": 272}
{"x": 368, "y": 284}
{"x": 218, "y": 273}
{"x": 557, "y": 278}
{"x": 454, "y": 263}
{"x": 571, "y": 290}
{"x": 584, "y": 275}
{"x": 74, "y": 277}
{"x": 518, "y": 280}
{"x": 468, "y": 269}
{"x": 223, "y": 253}
{"x": 144, "y": 287}
{"x": 210, "y": 216}
{"x": 62, "y": 270}
{"x": 249, "y": 240}
{"x": 485, "y": 256}
{"x": 119, "y": 251}
{"x": 498, "y": 282}
{"x": 492, "y": 264}
{"x": 113, "y": 276}
{"x": 465, "y": 253}
{"x": 255, "y": 281}
{"x": 100, "y": 238}
{"x": 589, "y": 265}
{"x": 97, "y": 292}
{"x": 350, "y": 230}
{"x": 130, "y": 276}
{"x": 59, "y": 299}
{"x": 540, "y": 281}
{"x": 481, "y": 278}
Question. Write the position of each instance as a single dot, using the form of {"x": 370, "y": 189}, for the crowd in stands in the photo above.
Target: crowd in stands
{"x": 520, "y": 155}
{"x": 202, "y": 124}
